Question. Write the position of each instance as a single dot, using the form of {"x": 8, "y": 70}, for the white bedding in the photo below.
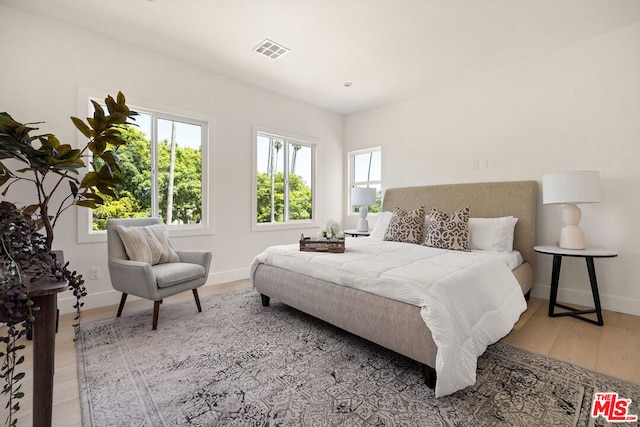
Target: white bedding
{"x": 468, "y": 300}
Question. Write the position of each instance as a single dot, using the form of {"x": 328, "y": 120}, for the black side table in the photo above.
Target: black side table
{"x": 356, "y": 233}
{"x": 589, "y": 254}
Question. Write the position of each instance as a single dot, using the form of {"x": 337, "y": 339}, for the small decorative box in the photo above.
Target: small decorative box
{"x": 321, "y": 244}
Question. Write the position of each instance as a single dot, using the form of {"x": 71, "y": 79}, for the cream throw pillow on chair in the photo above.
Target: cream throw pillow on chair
{"x": 148, "y": 243}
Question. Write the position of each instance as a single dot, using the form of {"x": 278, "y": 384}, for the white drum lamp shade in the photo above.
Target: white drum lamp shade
{"x": 571, "y": 188}
{"x": 363, "y": 197}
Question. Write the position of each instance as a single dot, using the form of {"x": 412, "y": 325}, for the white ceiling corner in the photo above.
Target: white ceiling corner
{"x": 387, "y": 49}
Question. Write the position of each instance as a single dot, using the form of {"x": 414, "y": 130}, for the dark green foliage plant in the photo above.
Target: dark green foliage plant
{"x": 54, "y": 166}
{"x": 24, "y": 259}
{"x": 48, "y": 167}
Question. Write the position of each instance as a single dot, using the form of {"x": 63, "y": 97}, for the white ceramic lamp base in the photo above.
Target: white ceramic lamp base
{"x": 572, "y": 236}
{"x": 363, "y": 224}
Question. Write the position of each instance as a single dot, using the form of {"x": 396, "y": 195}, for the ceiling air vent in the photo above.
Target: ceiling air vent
{"x": 271, "y": 49}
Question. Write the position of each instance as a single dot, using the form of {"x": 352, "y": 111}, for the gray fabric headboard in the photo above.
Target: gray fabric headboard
{"x": 486, "y": 200}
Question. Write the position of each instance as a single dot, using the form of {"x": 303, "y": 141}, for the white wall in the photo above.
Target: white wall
{"x": 45, "y": 62}
{"x": 570, "y": 109}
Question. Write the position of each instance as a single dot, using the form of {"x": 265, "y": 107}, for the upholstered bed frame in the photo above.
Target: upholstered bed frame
{"x": 396, "y": 325}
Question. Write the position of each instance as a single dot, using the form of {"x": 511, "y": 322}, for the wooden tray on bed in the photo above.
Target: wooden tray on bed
{"x": 336, "y": 246}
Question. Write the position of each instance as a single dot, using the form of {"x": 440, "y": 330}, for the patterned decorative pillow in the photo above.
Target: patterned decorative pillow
{"x": 448, "y": 231}
{"x": 406, "y": 226}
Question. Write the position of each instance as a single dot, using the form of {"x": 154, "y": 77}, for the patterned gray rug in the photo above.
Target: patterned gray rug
{"x": 240, "y": 364}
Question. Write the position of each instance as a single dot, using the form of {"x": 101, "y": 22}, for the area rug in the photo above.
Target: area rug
{"x": 240, "y": 364}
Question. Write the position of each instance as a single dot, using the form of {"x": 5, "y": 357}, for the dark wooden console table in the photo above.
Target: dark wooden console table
{"x": 44, "y": 295}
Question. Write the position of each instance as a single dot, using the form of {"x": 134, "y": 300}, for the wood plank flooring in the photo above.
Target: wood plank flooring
{"x": 611, "y": 349}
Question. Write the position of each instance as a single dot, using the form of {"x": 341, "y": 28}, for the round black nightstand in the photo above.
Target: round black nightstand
{"x": 356, "y": 233}
{"x": 588, "y": 254}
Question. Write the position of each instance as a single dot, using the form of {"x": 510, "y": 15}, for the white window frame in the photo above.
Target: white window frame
{"x": 289, "y": 137}
{"x": 207, "y": 226}
{"x": 353, "y": 183}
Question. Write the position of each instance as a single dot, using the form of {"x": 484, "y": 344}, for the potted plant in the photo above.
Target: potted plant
{"x": 24, "y": 260}
{"x": 50, "y": 169}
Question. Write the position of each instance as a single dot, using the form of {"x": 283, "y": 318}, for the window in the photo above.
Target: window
{"x": 164, "y": 174}
{"x": 284, "y": 181}
{"x": 365, "y": 170}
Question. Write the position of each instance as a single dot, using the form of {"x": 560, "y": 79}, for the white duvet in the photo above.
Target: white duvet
{"x": 468, "y": 300}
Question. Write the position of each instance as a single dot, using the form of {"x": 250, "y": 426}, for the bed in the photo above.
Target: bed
{"x": 399, "y": 325}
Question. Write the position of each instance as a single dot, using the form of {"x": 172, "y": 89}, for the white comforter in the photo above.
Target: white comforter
{"x": 468, "y": 300}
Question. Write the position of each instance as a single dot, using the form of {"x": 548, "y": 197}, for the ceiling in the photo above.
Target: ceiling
{"x": 387, "y": 49}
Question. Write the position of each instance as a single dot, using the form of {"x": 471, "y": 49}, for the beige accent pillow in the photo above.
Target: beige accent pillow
{"x": 406, "y": 227}
{"x": 148, "y": 243}
{"x": 448, "y": 231}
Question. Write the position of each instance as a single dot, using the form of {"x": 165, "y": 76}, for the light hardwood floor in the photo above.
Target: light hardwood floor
{"x": 611, "y": 349}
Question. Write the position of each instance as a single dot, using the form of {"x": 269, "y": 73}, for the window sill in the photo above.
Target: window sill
{"x": 174, "y": 231}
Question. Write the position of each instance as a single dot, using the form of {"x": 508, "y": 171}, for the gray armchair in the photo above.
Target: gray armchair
{"x": 153, "y": 282}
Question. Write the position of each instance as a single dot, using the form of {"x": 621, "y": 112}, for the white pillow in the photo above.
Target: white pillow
{"x": 492, "y": 234}
{"x": 380, "y": 227}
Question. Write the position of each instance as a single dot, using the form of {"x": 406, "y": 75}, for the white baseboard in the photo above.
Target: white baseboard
{"x": 585, "y": 298}
{"x": 112, "y": 297}
{"x": 228, "y": 276}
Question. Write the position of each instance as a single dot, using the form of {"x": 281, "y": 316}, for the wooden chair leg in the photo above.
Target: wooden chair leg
{"x": 121, "y": 306}
{"x": 156, "y": 309}
{"x": 197, "y": 298}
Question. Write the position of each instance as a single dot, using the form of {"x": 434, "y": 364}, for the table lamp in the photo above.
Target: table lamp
{"x": 363, "y": 197}
{"x": 571, "y": 188}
